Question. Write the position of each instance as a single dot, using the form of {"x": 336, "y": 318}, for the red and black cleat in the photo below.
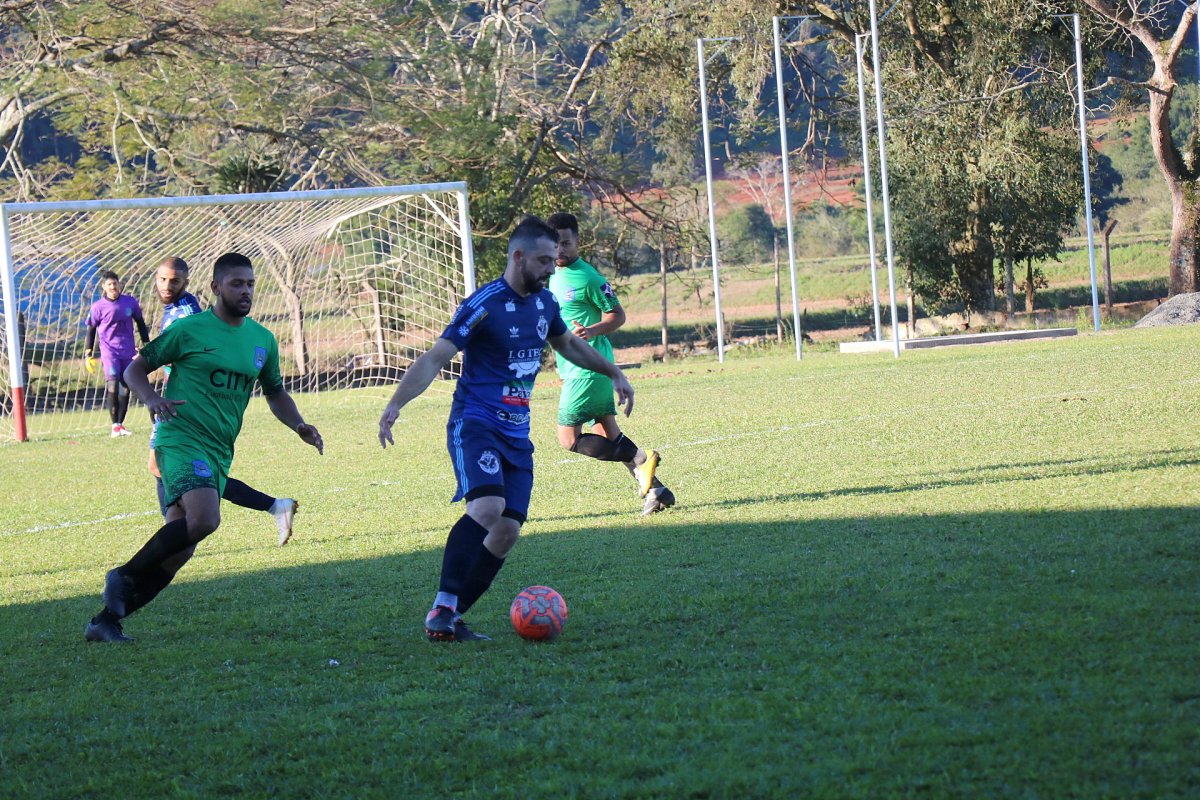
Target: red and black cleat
{"x": 439, "y": 624}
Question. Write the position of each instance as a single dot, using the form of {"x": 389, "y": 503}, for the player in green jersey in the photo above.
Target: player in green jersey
{"x": 591, "y": 310}
{"x": 217, "y": 357}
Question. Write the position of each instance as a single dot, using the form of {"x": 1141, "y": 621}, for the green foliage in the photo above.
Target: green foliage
{"x": 746, "y": 235}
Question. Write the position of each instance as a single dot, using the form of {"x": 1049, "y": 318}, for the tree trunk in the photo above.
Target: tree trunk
{"x": 778, "y": 297}
{"x": 1029, "y": 286}
{"x": 1185, "y": 216}
{"x": 662, "y": 273}
{"x": 1010, "y": 293}
{"x": 1108, "y": 290}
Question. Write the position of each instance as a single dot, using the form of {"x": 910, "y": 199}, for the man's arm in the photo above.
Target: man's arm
{"x": 89, "y": 349}
{"x": 137, "y": 378}
{"x": 573, "y": 348}
{"x": 284, "y": 408}
{"x": 609, "y": 322}
{"x": 415, "y": 381}
{"x": 143, "y": 328}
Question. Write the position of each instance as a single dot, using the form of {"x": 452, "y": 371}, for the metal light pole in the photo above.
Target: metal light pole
{"x": 1083, "y": 157}
{"x": 881, "y": 131}
{"x": 866, "y": 160}
{"x": 712, "y": 212}
{"x": 787, "y": 180}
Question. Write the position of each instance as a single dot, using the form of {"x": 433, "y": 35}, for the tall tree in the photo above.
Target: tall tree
{"x": 1158, "y": 32}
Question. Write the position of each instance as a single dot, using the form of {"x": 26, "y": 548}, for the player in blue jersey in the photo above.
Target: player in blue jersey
{"x": 501, "y": 329}
{"x": 170, "y": 283}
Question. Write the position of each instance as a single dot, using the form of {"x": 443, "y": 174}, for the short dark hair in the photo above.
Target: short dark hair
{"x": 109, "y": 275}
{"x": 530, "y": 230}
{"x": 562, "y": 221}
{"x": 229, "y": 261}
{"x": 176, "y": 263}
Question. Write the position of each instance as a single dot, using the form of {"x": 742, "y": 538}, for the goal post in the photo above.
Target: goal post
{"x": 354, "y": 283}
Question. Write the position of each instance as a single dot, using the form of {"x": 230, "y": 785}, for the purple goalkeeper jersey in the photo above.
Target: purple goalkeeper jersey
{"x": 113, "y": 321}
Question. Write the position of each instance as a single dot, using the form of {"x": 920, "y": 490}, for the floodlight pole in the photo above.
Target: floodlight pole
{"x": 866, "y": 158}
{"x": 787, "y": 181}
{"x": 881, "y": 131}
{"x": 1087, "y": 172}
{"x": 712, "y": 212}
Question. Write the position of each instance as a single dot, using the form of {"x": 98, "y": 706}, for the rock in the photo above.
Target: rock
{"x": 1182, "y": 309}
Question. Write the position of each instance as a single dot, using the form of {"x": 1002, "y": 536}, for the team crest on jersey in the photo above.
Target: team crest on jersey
{"x": 128, "y": 311}
{"x": 201, "y": 469}
{"x": 608, "y": 291}
{"x": 569, "y": 293}
{"x": 510, "y": 306}
{"x": 260, "y": 357}
{"x": 489, "y": 463}
{"x": 543, "y": 327}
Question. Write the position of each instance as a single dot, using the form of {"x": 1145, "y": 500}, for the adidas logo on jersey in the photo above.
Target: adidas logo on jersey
{"x": 514, "y": 332}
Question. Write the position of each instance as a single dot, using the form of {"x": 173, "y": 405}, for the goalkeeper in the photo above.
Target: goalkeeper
{"x": 591, "y": 310}
{"x": 113, "y": 317}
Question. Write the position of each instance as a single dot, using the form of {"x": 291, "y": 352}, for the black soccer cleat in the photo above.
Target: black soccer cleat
{"x": 439, "y": 624}
{"x": 463, "y": 633}
{"x": 118, "y": 591}
{"x": 105, "y": 630}
{"x": 660, "y": 498}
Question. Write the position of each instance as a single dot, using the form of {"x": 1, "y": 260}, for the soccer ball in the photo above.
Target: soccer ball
{"x": 538, "y": 613}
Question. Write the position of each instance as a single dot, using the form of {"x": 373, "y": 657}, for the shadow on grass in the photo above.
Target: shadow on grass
{"x": 954, "y": 654}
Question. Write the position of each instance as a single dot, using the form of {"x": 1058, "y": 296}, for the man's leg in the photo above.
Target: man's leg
{"x": 644, "y": 463}
{"x": 122, "y": 402}
{"x": 110, "y": 401}
{"x": 282, "y": 508}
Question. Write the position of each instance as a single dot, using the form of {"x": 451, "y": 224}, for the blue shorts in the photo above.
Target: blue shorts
{"x": 489, "y": 464}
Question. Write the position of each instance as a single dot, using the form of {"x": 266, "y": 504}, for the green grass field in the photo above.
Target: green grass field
{"x": 972, "y": 572}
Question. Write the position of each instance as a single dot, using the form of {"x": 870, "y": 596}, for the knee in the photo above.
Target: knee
{"x": 486, "y": 511}
{"x": 567, "y": 437}
{"x": 202, "y": 523}
{"x": 503, "y": 536}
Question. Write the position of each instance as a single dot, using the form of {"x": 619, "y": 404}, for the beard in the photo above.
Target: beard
{"x": 235, "y": 309}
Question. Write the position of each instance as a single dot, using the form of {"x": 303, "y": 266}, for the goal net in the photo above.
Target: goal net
{"x": 355, "y": 284}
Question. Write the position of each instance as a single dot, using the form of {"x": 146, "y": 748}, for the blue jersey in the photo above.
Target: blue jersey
{"x": 185, "y": 306}
{"x": 501, "y": 336}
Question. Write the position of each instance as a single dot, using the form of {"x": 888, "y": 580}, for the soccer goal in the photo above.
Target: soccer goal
{"x": 355, "y": 283}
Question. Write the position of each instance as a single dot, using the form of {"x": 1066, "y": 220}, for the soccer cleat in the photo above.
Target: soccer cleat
{"x": 116, "y": 431}
{"x": 118, "y": 590}
{"x": 439, "y": 624}
{"x": 463, "y": 633}
{"x": 120, "y": 430}
{"x": 645, "y": 473}
{"x": 101, "y": 630}
{"x": 285, "y": 510}
{"x": 660, "y": 498}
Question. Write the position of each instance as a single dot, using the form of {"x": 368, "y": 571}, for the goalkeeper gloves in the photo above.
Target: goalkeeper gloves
{"x": 90, "y": 363}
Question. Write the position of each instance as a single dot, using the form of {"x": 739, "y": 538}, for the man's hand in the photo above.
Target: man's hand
{"x": 310, "y": 435}
{"x": 579, "y": 330}
{"x": 89, "y": 364}
{"x": 624, "y": 390}
{"x": 163, "y": 409}
{"x": 390, "y": 415}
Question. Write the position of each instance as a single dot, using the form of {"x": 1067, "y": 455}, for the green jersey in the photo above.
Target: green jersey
{"x": 584, "y": 295}
{"x": 215, "y": 366}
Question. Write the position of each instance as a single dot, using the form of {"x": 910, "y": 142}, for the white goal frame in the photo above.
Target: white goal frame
{"x": 447, "y": 201}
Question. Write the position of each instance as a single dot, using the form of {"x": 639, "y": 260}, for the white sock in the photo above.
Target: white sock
{"x": 446, "y": 599}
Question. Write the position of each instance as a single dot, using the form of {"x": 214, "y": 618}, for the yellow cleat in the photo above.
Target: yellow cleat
{"x": 645, "y": 473}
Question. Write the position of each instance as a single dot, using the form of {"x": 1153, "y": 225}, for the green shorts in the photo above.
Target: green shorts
{"x": 584, "y": 400}
{"x": 187, "y": 467}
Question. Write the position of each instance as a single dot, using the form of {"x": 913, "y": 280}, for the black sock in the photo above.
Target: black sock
{"x": 245, "y": 496}
{"x": 170, "y": 539}
{"x": 462, "y": 547}
{"x": 122, "y": 402}
{"x": 110, "y": 400}
{"x": 147, "y": 588}
{"x": 480, "y": 579}
{"x": 162, "y": 496}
